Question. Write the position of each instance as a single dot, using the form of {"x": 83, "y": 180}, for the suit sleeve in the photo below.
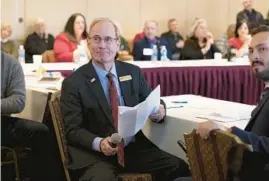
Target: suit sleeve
{"x": 15, "y": 100}
{"x": 61, "y": 50}
{"x": 261, "y": 19}
{"x": 73, "y": 117}
{"x": 259, "y": 143}
{"x": 240, "y": 16}
{"x": 145, "y": 90}
{"x": 137, "y": 53}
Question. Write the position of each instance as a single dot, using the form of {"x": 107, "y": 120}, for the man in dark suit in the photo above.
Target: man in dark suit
{"x": 174, "y": 39}
{"x": 143, "y": 48}
{"x": 249, "y": 14}
{"x": 256, "y": 133}
{"x": 89, "y": 104}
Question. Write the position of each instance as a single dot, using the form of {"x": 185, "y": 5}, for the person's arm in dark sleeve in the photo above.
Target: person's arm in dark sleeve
{"x": 259, "y": 143}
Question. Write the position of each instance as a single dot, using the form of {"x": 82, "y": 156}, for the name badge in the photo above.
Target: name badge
{"x": 125, "y": 78}
{"x": 147, "y": 51}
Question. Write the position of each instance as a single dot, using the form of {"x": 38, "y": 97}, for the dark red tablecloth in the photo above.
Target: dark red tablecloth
{"x": 231, "y": 83}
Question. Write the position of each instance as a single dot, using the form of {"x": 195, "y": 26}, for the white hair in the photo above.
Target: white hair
{"x": 98, "y": 20}
{"x": 196, "y": 23}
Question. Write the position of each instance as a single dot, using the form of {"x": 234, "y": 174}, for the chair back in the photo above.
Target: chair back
{"x": 217, "y": 158}
{"x": 54, "y": 105}
{"x": 48, "y": 57}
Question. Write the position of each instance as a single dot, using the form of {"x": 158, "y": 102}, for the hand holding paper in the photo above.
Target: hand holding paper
{"x": 132, "y": 119}
{"x": 158, "y": 115}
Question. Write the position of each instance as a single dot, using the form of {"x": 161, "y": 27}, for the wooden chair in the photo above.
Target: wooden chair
{"x": 217, "y": 158}
{"x": 54, "y": 105}
{"x": 10, "y": 155}
{"x": 48, "y": 57}
{"x": 10, "y": 159}
{"x": 131, "y": 45}
{"x": 124, "y": 56}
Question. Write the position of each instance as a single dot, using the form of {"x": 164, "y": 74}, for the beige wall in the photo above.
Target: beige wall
{"x": 131, "y": 14}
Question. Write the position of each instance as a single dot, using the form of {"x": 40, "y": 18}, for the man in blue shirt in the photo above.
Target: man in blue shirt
{"x": 143, "y": 48}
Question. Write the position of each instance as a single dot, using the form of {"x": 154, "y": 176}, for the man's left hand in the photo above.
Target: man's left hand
{"x": 204, "y": 128}
{"x": 158, "y": 116}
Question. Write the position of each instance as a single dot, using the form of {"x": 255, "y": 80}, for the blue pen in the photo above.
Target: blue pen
{"x": 180, "y": 102}
{"x": 174, "y": 107}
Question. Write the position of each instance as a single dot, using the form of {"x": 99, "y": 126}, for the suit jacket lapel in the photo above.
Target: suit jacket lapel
{"x": 126, "y": 86}
{"x": 257, "y": 110}
{"x": 97, "y": 89}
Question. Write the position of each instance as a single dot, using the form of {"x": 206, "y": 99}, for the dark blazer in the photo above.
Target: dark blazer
{"x": 144, "y": 43}
{"x": 35, "y": 45}
{"x": 87, "y": 114}
{"x": 259, "y": 125}
{"x": 242, "y": 15}
{"x": 192, "y": 51}
{"x": 171, "y": 41}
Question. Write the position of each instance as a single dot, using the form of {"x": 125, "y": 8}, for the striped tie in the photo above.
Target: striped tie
{"x": 114, "y": 102}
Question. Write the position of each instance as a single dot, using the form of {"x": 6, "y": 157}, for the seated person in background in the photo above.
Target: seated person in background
{"x": 256, "y": 133}
{"x": 38, "y": 42}
{"x": 124, "y": 44}
{"x": 200, "y": 43}
{"x": 89, "y": 104}
{"x": 223, "y": 42}
{"x": 249, "y": 14}
{"x": 19, "y": 132}
{"x": 7, "y": 45}
{"x": 66, "y": 44}
{"x": 139, "y": 36}
{"x": 143, "y": 48}
{"x": 174, "y": 39}
{"x": 240, "y": 43}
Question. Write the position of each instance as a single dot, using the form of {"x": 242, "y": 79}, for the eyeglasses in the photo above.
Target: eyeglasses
{"x": 107, "y": 39}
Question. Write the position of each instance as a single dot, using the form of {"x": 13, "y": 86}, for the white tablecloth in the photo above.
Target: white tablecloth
{"x": 36, "y": 98}
{"x": 145, "y": 64}
{"x": 184, "y": 120}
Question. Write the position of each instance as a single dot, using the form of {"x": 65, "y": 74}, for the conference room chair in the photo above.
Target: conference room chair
{"x": 11, "y": 156}
{"x": 217, "y": 158}
{"x": 54, "y": 106}
{"x": 131, "y": 45}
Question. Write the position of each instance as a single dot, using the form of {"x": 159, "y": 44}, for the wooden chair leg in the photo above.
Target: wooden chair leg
{"x": 16, "y": 165}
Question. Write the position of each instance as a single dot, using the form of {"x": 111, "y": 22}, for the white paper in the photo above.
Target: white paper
{"x": 147, "y": 51}
{"x": 133, "y": 119}
{"x": 212, "y": 109}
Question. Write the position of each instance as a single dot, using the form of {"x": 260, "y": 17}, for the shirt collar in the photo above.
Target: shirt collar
{"x": 103, "y": 73}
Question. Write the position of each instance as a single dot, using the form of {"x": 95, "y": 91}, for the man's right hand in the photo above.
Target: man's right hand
{"x": 106, "y": 148}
